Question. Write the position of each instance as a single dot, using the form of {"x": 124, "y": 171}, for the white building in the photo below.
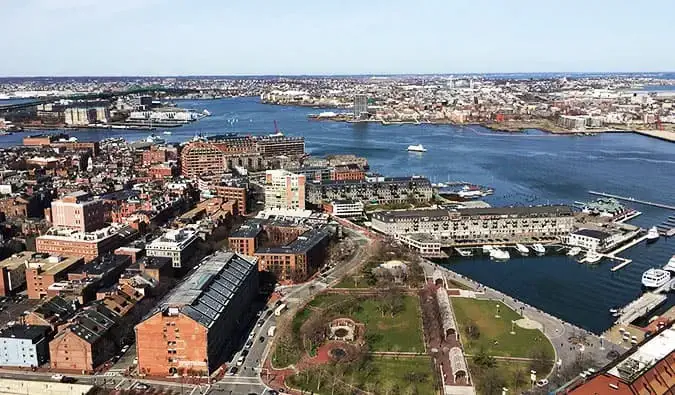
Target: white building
{"x": 177, "y": 244}
{"x": 346, "y": 208}
{"x": 24, "y": 346}
{"x": 593, "y": 240}
{"x": 284, "y": 190}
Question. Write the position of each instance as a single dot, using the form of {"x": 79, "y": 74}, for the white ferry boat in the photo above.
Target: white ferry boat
{"x": 670, "y": 266}
{"x": 652, "y": 234}
{"x": 574, "y": 251}
{"x": 155, "y": 139}
{"x": 538, "y": 248}
{"x": 592, "y": 257}
{"x": 499, "y": 255}
{"x": 167, "y": 132}
{"x": 522, "y": 249}
{"x": 654, "y": 278}
{"x": 417, "y": 148}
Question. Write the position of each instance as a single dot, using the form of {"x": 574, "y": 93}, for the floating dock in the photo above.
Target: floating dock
{"x": 640, "y": 307}
{"x": 631, "y": 199}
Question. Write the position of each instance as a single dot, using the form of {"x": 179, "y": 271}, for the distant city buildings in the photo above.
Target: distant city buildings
{"x": 78, "y": 211}
{"x": 360, "y": 106}
{"x": 378, "y": 190}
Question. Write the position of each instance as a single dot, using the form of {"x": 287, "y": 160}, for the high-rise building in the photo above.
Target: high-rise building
{"x": 360, "y": 106}
{"x": 284, "y": 190}
{"x": 78, "y": 211}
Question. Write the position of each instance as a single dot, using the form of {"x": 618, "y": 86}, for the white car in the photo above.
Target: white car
{"x": 542, "y": 383}
{"x": 58, "y": 377}
{"x": 240, "y": 361}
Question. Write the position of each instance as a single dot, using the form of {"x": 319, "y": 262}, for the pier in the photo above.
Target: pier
{"x": 631, "y": 199}
{"x": 624, "y": 261}
{"x": 640, "y": 307}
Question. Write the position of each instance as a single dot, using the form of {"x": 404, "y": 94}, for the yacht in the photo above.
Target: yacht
{"x": 487, "y": 249}
{"x": 655, "y": 278}
{"x": 652, "y": 234}
{"x": 154, "y": 139}
{"x": 167, "y": 132}
{"x": 522, "y": 249}
{"x": 670, "y": 266}
{"x": 277, "y": 134}
{"x": 574, "y": 251}
{"x": 499, "y": 255}
{"x": 592, "y": 257}
{"x": 417, "y": 148}
{"x": 538, "y": 248}
{"x": 206, "y": 112}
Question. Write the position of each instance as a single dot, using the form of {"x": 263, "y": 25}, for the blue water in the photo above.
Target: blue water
{"x": 533, "y": 168}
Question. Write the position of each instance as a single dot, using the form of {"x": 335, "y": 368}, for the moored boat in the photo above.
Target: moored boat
{"x": 654, "y": 278}
{"x": 652, "y": 234}
{"x": 417, "y": 148}
{"x": 538, "y": 248}
{"x": 522, "y": 249}
{"x": 574, "y": 251}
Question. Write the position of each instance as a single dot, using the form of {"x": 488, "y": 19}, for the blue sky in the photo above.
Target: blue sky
{"x": 229, "y": 37}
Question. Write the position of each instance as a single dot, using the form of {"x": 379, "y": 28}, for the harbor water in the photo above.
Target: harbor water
{"x": 528, "y": 168}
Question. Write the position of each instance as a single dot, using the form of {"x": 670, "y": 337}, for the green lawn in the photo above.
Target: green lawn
{"x": 403, "y": 332}
{"x": 513, "y": 375}
{"x": 494, "y": 332}
{"x": 378, "y": 376}
{"x": 355, "y": 281}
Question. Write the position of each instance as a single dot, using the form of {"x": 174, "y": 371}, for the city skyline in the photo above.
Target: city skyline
{"x": 149, "y": 37}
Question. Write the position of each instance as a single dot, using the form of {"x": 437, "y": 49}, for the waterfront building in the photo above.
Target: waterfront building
{"x": 24, "y": 346}
{"x": 284, "y": 190}
{"x": 270, "y": 146}
{"x": 90, "y": 245}
{"x": 572, "y": 122}
{"x": 198, "y": 325}
{"x": 13, "y": 272}
{"x": 377, "y": 190}
{"x": 177, "y": 244}
{"x": 83, "y": 116}
{"x": 43, "y": 270}
{"x": 297, "y": 260}
{"x": 77, "y": 211}
{"x": 344, "y": 208}
{"x": 478, "y": 225}
{"x": 592, "y": 240}
{"x": 360, "y": 106}
{"x": 645, "y": 369}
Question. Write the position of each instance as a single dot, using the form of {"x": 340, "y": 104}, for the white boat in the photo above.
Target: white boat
{"x": 154, "y": 139}
{"x": 538, "y": 248}
{"x": 652, "y": 234}
{"x": 592, "y": 257}
{"x": 654, "y": 278}
{"x": 499, "y": 255}
{"x": 522, "y": 249}
{"x": 574, "y": 251}
{"x": 168, "y": 133}
{"x": 277, "y": 134}
{"x": 417, "y": 148}
{"x": 487, "y": 249}
{"x": 670, "y": 266}
{"x": 464, "y": 252}
{"x": 206, "y": 112}
{"x": 670, "y": 232}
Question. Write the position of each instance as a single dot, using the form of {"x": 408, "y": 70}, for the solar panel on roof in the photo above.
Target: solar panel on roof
{"x": 221, "y": 290}
{"x": 205, "y": 310}
{"x": 213, "y": 302}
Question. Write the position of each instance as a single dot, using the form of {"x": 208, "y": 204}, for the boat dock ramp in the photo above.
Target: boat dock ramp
{"x": 640, "y": 307}
{"x": 624, "y": 261}
{"x": 667, "y": 227}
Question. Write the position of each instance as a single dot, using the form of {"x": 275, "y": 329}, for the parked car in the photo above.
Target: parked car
{"x": 261, "y": 339}
{"x": 233, "y": 371}
{"x": 240, "y": 361}
{"x": 58, "y": 377}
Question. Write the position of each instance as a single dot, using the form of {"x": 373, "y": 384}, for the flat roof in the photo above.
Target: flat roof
{"x": 646, "y": 355}
{"x": 52, "y": 264}
{"x": 302, "y": 244}
{"x": 596, "y": 234}
{"x": 17, "y": 260}
{"x": 30, "y": 332}
{"x": 248, "y": 229}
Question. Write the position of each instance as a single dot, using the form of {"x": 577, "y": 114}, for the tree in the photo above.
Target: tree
{"x": 472, "y": 330}
{"x": 484, "y": 360}
{"x": 541, "y": 361}
{"x": 491, "y": 382}
{"x": 313, "y": 331}
{"x": 519, "y": 378}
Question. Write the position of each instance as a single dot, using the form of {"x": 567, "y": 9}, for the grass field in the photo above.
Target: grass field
{"x": 494, "y": 332}
{"x": 403, "y": 332}
{"x": 378, "y": 376}
{"x": 514, "y": 375}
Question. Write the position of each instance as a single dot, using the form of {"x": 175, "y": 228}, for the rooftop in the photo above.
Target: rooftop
{"x": 645, "y": 356}
{"x": 30, "y": 332}
{"x": 249, "y": 229}
{"x": 51, "y": 264}
{"x": 302, "y": 244}
{"x": 93, "y": 323}
{"x": 205, "y": 294}
{"x": 56, "y": 233}
{"x": 596, "y": 234}
{"x": 174, "y": 238}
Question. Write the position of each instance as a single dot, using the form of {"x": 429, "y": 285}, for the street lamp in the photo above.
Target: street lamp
{"x": 497, "y": 315}
{"x": 513, "y": 327}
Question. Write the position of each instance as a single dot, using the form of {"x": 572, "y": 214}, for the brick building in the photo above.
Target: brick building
{"x": 236, "y": 193}
{"x": 14, "y": 207}
{"x": 246, "y": 239}
{"x": 198, "y": 325}
{"x": 78, "y": 211}
{"x": 13, "y": 272}
{"x": 53, "y": 312}
{"x": 43, "y": 270}
{"x": 297, "y": 260}
{"x": 91, "y": 245}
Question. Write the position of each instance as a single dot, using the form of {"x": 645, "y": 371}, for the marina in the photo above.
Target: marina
{"x": 631, "y": 199}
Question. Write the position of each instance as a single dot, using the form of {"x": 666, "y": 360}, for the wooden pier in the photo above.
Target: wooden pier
{"x": 631, "y": 199}
{"x": 640, "y": 307}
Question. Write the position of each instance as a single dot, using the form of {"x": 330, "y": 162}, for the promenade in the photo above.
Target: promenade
{"x": 569, "y": 341}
